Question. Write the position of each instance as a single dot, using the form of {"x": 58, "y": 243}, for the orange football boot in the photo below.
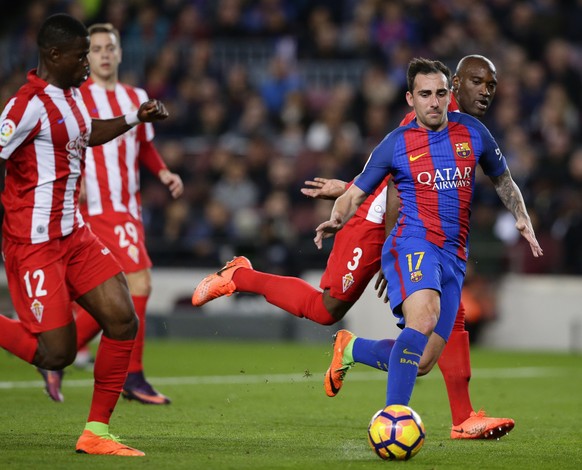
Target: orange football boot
{"x": 334, "y": 377}
{"x": 220, "y": 283}
{"x": 480, "y": 426}
{"x": 91, "y": 443}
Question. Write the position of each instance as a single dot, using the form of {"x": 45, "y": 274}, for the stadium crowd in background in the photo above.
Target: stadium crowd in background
{"x": 265, "y": 94}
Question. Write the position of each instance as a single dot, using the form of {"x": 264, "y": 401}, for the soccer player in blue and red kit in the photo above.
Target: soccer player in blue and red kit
{"x": 355, "y": 259}
{"x": 432, "y": 161}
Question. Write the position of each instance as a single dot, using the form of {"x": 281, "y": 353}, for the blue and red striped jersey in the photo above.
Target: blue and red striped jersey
{"x": 434, "y": 173}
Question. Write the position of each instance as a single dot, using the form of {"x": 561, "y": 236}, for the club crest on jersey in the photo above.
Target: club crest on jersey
{"x": 7, "y": 129}
{"x": 347, "y": 281}
{"x": 133, "y": 253}
{"x": 37, "y": 309}
{"x": 463, "y": 149}
{"x": 416, "y": 276}
{"x": 76, "y": 148}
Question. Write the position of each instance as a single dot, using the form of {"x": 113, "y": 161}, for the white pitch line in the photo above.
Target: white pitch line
{"x": 507, "y": 373}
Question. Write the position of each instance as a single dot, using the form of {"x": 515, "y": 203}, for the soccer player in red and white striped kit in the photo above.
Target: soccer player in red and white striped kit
{"x": 112, "y": 204}
{"x": 51, "y": 256}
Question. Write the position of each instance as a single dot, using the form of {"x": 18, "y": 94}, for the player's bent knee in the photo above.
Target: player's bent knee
{"x": 55, "y": 360}
{"x": 122, "y": 326}
{"x": 335, "y": 307}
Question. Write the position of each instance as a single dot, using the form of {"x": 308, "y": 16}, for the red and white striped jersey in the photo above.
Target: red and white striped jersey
{"x": 44, "y": 131}
{"x": 112, "y": 170}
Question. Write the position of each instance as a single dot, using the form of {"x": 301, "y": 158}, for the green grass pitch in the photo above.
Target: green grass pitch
{"x": 261, "y": 405}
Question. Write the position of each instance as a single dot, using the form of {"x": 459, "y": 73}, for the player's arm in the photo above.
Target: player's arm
{"x": 511, "y": 196}
{"x": 344, "y": 208}
{"x": 104, "y": 130}
{"x": 323, "y": 188}
{"x": 172, "y": 181}
{"x": 152, "y": 160}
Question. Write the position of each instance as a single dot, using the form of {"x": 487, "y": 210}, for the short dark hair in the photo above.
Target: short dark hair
{"x": 104, "y": 28}
{"x": 424, "y": 66}
{"x": 60, "y": 29}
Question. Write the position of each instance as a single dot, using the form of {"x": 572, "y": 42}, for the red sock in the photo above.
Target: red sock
{"x": 289, "y": 293}
{"x": 87, "y": 327}
{"x": 17, "y": 339}
{"x": 136, "y": 359}
{"x": 455, "y": 365}
{"x": 110, "y": 372}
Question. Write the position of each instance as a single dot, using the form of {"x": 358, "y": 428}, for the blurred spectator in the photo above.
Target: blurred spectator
{"x": 234, "y": 190}
{"x": 144, "y": 37}
{"x": 228, "y": 19}
{"x": 280, "y": 81}
{"x": 211, "y": 234}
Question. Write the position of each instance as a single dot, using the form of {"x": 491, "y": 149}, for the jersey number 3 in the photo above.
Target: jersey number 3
{"x": 355, "y": 262}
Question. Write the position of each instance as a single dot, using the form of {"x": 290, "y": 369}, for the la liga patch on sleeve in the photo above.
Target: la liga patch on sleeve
{"x": 7, "y": 129}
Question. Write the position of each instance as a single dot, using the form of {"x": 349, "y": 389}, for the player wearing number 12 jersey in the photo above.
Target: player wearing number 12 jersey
{"x": 51, "y": 257}
{"x": 111, "y": 205}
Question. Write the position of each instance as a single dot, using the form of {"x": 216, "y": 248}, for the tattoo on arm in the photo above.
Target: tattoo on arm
{"x": 510, "y": 194}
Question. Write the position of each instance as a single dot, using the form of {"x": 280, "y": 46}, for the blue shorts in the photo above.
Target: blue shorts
{"x": 411, "y": 264}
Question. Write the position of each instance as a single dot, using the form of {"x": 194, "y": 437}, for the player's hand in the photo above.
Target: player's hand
{"x": 173, "y": 182}
{"x": 327, "y": 229}
{"x": 323, "y": 188}
{"x": 525, "y": 228}
{"x": 380, "y": 286}
{"x": 152, "y": 110}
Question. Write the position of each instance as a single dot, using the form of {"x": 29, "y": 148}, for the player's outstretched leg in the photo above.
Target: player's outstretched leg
{"x": 53, "y": 380}
{"x": 335, "y": 375}
{"x": 137, "y": 388}
{"x": 220, "y": 283}
{"x": 480, "y": 426}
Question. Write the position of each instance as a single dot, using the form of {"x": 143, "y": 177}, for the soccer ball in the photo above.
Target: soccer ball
{"x": 396, "y": 433}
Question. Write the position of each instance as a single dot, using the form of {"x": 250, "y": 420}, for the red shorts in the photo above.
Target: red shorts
{"x": 124, "y": 236}
{"x": 354, "y": 259}
{"x": 45, "y": 277}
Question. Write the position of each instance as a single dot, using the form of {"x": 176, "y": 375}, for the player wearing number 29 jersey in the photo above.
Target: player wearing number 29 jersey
{"x": 112, "y": 204}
